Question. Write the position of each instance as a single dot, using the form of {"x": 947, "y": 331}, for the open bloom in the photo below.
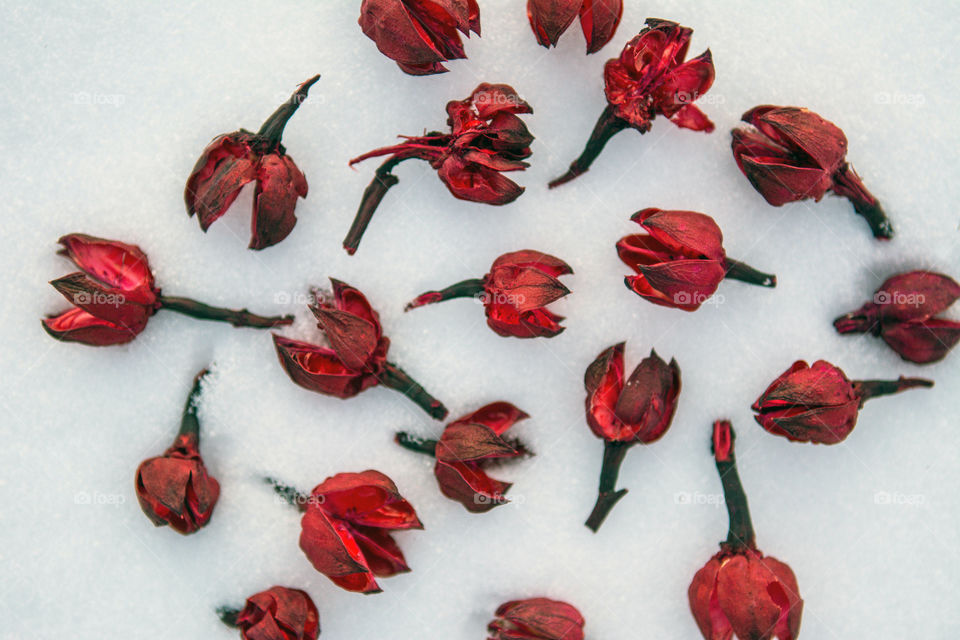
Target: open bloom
{"x": 175, "y": 489}
{"x": 515, "y": 294}
{"x": 650, "y": 77}
{"x": 346, "y": 529}
{"x": 740, "y": 591}
{"x": 279, "y": 613}
{"x": 420, "y": 35}
{"x": 233, "y": 159}
{"x": 792, "y": 154}
{"x": 469, "y": 445}
{"x": 114, "y": 296}
{"x": 818, "y": 403}
{"x": 598, "y": 19}
{"x": 903, "y": 312}
{"x": 623, "y": 412}
{"x": 486, "y": 139}
{"x": 536, "y": 619}
{"x": 680, "y": 261}
{"x": 356, "y": 357}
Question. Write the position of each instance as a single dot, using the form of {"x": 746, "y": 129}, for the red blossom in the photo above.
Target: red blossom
{"x": 356, "y": 357}
{"x": 346, "y": 529}
{"x": 651, "y": 77}
{"x": 904, "y": 313}
{"x": 279, "y": 613}
{"x": 233, "y": 159}
{"x": 680, "y": 261}
{"x": 536, "y": 619}
{"x": 486, "y": 139}
{"x": 420, "y": 34}
{"x": 598, "y": 19}
{"x": 791, "y": 154}
{"x": 819, "y": 403}
{"x": 175, "y": 488}
{"x": 515, "y": 294}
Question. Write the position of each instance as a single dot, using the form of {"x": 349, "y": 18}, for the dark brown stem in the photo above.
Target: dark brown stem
{"x": 737, "y": 270}
{"x": 465, "y": 289}
{"x": 848, "y": 184}
{"x": 607, "y": 126}
{"x": 272, "y": 128}
{"x": 868, "y": 389}
{"x": 241, "y": 318}
{"x": 228, "y": 616}
{"x": 740, "y": 534}
{"x": 395, "y": 378}
{"x": 416, "y": 443}
{"x": 607, "y": 497}
{"x": 372, "y": 195}
{"x": 289, "y": 494}
{"x": 189, "y": 423}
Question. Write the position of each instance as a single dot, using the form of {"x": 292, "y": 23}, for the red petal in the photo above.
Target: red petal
{"x": 684, "y": 84}
{"x": 76, "y": 325}
{"x": 543, "y": 619}
{"x": 466, "y": 442}
{"x": 685, "y": 284}
{"x": 823, "y": 425}
{"x": 802, "y": 129}
{"x": 116, "y": 264}
{"x": 786, "y": 594}
{"x": 550, "y": 18}
{"x": 349, "y": 299}
{"x": 279, "y": 184}
{"x": 110, "y": 305}
{"x": 649, "y": 399}
{"x": 332, "y": 550}
{"x": 498, "y": 416}
{"x": 533, "y": 259}
{"x": 490, "y": 99}
{"x": 369, "y": 499}
{"x": 477, "y": 183}
{"x": 603, "y": 381}
{"x": 506, "y": 321}
{"x": 353, "y": 339}
{"x": 381, "y": 551}
{"x": 702, "y": 595}
{"x": 318, "y": 369}
{"x": 399, "y": 35}
{"x": 216, "y": 180}
{"x": 523, "y": 288}
{"x": 780, "y": 183}
{"x": 690, "y": 117}
{"x": 743, "y": 597}
{"x": 922, "y": 342}
{"x": 599, "y": 20}
{"x": 820, "y": 385}
{"x": 691, "y": 233}
{"x": 470, "y": 486}
{"x": 916, "y": 295}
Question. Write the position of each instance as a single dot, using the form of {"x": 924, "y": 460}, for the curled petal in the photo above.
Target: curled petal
{"x": 470, "y": 486}
{"x": 524, "y": 288}
{"x": 599, "y": 20}
{"x": 116, "y": 264}
{"x": 801, "y": 129}
{"x": 498, "y": 416}
{"x": 353, "y": 339}
{"x": 506, "y": 321}
{"x": 107, "y": 304}
{"x": 916, "y": 295}
{"x": 550, "y": 18}
{"x": 279, "y": 184}
{"x": 491, "y": 99}
{"x": 690, "y": 117}
{"x": 318, "y": 369}
{"x": 685, "y": 84}
{"x": 922, "y": 342}
{"x": 684, "y": 284}
{"x": 781, "y": 183}
{"x": 329, "y": 545}
{"x": 76, "y": 325}
{"x": 691, "y": 233}
{"x": 539, "y": 618}
{"x": 466, "y": 442}
{"x": 603, "y": 381}
{"x": 477, "y": 183}
{"x": 368, "y": 499}
{"x": 744, "y": 599}
{"x": 381, "y": 551}
{"x": 649, "y": 399}
{"x": 401, "y": 37}
{"x": 216, "y": 180}
{"x": 351, "y": 300}
{"x": 533, "y": 259}
{"x": 821, "y": 384}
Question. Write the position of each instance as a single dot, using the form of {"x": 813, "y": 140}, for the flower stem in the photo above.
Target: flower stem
{"x": 607, "y": 126}
{"x": 737, "y": 270}
{"x": 241, "y": 318}
{"x": 372, "y": 195}
{"x": 416, "y": 443}
{"x": 465, "y": 289}
{"x": 740, "y": 533}
{"x": 868, "y": 389}
{"x": 289, "y": 494}
{"x": 848, "y": 184}
{"x": 613, "y": 455}
{"x": 228, "y": 616}
{"x": 272, "y": 128}
{"x": 397, "y": 379}
{"x": 189, "y": 424}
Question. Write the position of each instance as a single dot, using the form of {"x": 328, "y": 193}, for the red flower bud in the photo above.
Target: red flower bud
{"x": 792, "y": 154}
{"x": 903, "y": 313}
{"x": 279, "y": 613}
{"x": 420, "y": 34}
{"x": 486, "y": 140}
{"x": 818, "y": 403}
{"x": 357, "y": 356}
{"x": 114, "y": 296}
{"x": 650, "y": 77}
{"x": 469, "y": 445}
{"x": 681, "y": 262}
{"x": 536, "y": 619}
{"x": 346, "y": 529}
{"x": 174, "y": 489}
{"x": 233, "y": 159}
{"x": 514, "y": 294}
{"x": 598, "y": 18}
{"x": 740, "y": 591}
{"x": 625, "y": 412}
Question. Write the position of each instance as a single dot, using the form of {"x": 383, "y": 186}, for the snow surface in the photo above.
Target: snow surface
{"x": 107, "y": 106}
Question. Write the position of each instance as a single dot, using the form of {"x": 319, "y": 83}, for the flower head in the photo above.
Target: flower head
{"x": 279, "y": 613}
{"x": 598, "y": 19}
{"x": 536, "y": 619}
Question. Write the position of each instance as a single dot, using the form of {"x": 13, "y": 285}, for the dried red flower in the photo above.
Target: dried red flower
{"x": 740, "y": 591}
{"x": 233, "y": 159}
{"x": 791, "y": 154}
{"x": 818, "y": 403}
{"x": 536, "y": 619}
{"x": 279, "y": 613}
{"x": 650, "y": 77}
{"x": 346, "y": 529}
{"x": 486, "y": 139}
{"x": 515, "y": 294}
{"x": 114, "y": 296}
{"x": 625, "y": 412}
{"x": 680, "y": 261}
{"x": 598, "y": 19}
{"x": 175, "y": 489}
{"x": 420, "y": 35}
{"x": 469, "y": 445}
{"x": 357, "y": 356}
{"x": 903, "y": 312}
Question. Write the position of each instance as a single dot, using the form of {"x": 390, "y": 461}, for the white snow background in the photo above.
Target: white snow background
{"x": 106, "y": 107}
